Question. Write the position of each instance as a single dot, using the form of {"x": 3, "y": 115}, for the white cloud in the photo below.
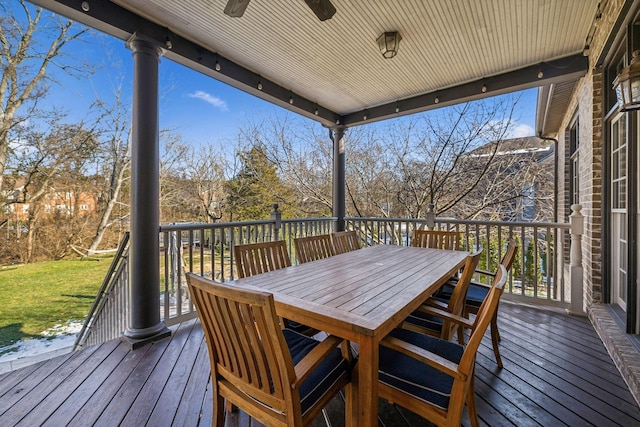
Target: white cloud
{"x": 521, "y": 130}
{"x": 213, "y": 100}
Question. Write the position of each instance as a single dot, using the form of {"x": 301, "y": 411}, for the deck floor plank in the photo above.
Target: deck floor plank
{"x": 556, "y": 372}
{"x": 551, "y": 351}
{"x": 62, "y": 387}
{"x": 194, "y": 403}
{"x": 105, "y": 393}
{"x": 85, "y": 391}
{"x": 33, "y": 390}
{"x": 140, "y": 392}
{"x": 173, "y": 392}
{"x": 571, "y": 383}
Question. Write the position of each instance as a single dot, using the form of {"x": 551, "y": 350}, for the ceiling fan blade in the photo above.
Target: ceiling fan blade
{"x": 236, "y": 8}
{"x": 322, "y": 8}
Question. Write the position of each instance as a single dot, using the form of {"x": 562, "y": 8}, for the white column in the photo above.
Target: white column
{"x": 576, "y": 221}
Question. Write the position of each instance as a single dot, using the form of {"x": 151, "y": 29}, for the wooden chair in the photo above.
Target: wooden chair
{"x": 434, "y": 377}
{"x": 313, "y": 248}
{"x": 425, "y": 320}
{"x": 345, "y": 241}
{"x": 252, "y": 358}
{"x": 258, "y": 258}
{"x": 437, "y": 239}
{"x": 477, "y": 293}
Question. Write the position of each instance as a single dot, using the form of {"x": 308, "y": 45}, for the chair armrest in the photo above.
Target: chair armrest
{"x": 424, "y": 356}
{"x": 485, "y": 272}
{"x": 435, "y": 303}
{"x": 459, "y": 320}
{"x": 308, "y": 363}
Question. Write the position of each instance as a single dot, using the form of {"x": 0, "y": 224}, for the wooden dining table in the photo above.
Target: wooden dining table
{"x": 360, "y": 296}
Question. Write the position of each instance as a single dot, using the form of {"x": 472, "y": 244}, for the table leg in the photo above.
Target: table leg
{"x": 367, "y": 383}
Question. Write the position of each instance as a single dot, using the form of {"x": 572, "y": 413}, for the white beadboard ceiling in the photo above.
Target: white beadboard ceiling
{"x": 337, "y": 64}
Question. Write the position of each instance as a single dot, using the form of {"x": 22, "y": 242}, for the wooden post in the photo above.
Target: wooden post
{"x": 431, "y": 217}
{"x": 576, "y": 220}
{"x": 276, "y": 217}
{"x": 339, "y": 180}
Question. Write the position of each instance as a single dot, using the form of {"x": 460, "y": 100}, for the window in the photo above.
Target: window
{"x": 574, "y": 163}
{"x": 619, "y": 163}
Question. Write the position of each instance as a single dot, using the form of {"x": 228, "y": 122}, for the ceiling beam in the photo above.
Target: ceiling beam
{"x": 568, "y": 68}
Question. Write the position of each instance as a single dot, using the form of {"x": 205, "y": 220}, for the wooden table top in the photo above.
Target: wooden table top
{"x": 368, "y": 291}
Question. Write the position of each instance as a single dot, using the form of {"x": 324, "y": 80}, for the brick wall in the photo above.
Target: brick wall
{"x": 587, "y": 104}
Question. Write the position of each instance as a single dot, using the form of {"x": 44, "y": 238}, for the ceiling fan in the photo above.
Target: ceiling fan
{"x": 322, "y": 8}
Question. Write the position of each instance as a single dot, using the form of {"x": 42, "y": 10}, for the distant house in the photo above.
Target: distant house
{"x": 520, "y": 175}
{"x": 57, "y": 200}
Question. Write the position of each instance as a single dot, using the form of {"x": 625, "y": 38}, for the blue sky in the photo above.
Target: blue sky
{"x": 200, "y": 108}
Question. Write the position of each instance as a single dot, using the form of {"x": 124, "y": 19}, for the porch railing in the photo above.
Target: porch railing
{"x": 547, "y": 264}
{"x": 538, "y": 274}
{"x": 206, "y": 249}
{"x": 109, "y": 313}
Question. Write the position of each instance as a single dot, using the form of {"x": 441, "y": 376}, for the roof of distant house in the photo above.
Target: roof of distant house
{"x": 509, "y": 147}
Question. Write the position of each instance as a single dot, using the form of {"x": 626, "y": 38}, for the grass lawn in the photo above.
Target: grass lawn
{"x": 36, "y": 297}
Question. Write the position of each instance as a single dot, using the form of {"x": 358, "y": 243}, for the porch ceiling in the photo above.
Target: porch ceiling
{"x": 449, "y": 49}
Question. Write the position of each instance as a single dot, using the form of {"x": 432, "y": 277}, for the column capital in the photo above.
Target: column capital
{"x": 141, "y": 43}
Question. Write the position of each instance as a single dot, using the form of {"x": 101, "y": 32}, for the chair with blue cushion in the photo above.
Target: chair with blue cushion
{"x": 257, "y": 258}
{"x": 345, "y": 241}
{"x": 477, "y": 292}
{"x": 262, "y": 257}
{"x": 436, "y": 239}
{"x": 277, "y": 376}
{"x": 313, "y": 248}
{"x": 427, "y": 320}
{"x": 432, "y": 377}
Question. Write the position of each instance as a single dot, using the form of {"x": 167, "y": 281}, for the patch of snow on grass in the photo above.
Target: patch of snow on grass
{"x": 58, "y": 337}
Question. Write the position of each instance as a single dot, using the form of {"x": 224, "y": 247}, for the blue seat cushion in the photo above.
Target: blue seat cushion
{"x": 324, "y": 376}
{"x": 426, "y": 321}
{"x": 475, "y": 294}
{"x": 299, "y": 327}
{"x": 415, "y": 378}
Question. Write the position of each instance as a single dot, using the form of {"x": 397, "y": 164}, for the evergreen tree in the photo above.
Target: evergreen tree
{"x": 252, "y": 192}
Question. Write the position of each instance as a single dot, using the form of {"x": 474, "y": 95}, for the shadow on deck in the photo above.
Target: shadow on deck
{"x": 556, "y": 371}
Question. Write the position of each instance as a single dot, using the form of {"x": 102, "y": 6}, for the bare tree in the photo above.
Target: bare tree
{"x": 398, "y": 168}
{"x": 113, "y": 169}
{"x": 206, "y": 170}
{"x": 45, "y": 159}
{"x": 24, "y": 63}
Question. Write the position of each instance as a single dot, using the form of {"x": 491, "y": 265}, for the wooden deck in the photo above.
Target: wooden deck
{"x": 556, "y": 372}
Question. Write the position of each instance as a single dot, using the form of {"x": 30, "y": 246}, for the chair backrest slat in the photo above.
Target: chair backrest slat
{"x": 437, "y": 239}
{"x": 459, "y": 294}
{"x": 313, "y": 248}
{"x": 258, "y": 258}
{"x": 483, "y": 318}
{"x": 345, "y": 241}
{"x": 509, "y": 255}
{"x": 246, "y": 345}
